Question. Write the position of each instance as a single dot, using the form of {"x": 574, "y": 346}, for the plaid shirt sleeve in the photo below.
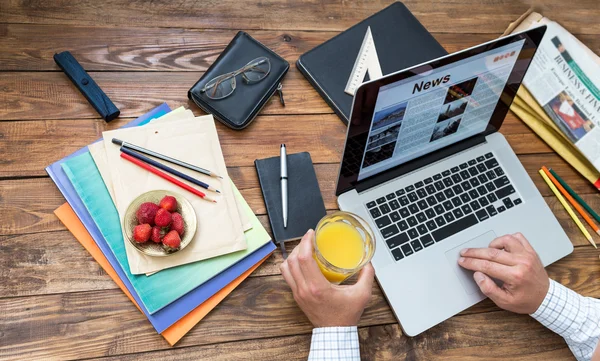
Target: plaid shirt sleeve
{"x": 572, "y": 316}
{"x": 334, "y": 343}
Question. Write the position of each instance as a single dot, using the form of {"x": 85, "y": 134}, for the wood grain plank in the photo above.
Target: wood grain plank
{"x": 27, "y": 147}
{"x": 32, "y": 96}
{"x": 288, "y": 348}
{"x": 35, "y": 263}
{"x": 31, "y": 46}
{"x": 101, "y": 323}
{"x": 28, "y": 47}
{"x": 50, "y": 262}
{"x": 51, "y": 95}
{"x": 473, "y": 16}
{"x": 46, "y": 263}
{"x": 26, "y": 205}
{"x": 53, "y": 262}
{"x": 492, "y": 336}
{"x": 386, "y": 342}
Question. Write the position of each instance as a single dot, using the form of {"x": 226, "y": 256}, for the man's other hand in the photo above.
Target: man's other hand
{"x": 512, "y": 260}
{"x": 325, "y": 304}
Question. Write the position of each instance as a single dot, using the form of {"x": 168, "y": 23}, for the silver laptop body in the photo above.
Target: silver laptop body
{"x": 408, "y": 143}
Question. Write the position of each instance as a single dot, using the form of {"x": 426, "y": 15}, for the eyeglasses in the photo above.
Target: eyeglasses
{"x": 224, "y": 85}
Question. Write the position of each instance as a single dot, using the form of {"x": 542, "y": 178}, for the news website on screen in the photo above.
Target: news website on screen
{"x": 421, "y": 114}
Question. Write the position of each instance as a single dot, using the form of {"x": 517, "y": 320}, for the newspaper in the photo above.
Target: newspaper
{"x": 565, "y": 80}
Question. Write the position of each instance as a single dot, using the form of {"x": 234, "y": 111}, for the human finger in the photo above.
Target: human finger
{"x": 521, "y": 238}
{"x": 364, "y": 284}
{"x": 491, "y": 254}
{"x": 294, "y": 266}
{"x": 489, "y": 288}
{"x": 508, "y": 243}
{"x": 493, "y": 269}
{"x": 308, "y": 265}
{"x": 287, "y": 276}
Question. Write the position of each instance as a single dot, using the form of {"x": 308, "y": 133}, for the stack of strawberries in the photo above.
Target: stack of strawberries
{"x": 160, "y": 224}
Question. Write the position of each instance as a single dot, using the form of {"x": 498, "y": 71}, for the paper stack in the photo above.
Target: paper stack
{"x": 528, "y": 109}
{"x": 174, "y": 292}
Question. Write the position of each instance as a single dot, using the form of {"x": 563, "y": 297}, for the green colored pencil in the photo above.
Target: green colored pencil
{"x": 577, "y": 197}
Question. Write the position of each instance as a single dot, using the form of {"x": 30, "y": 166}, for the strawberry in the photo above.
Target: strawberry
{"x": 171, "y": 241}
{"x": 157, "y": 234}
{"x": 141, "y": 233}
{"x": 163, "y": 218}
{"x": 146, "y": 213}
{"x": 177, "y": 224}
{"x": 169, "y": 203}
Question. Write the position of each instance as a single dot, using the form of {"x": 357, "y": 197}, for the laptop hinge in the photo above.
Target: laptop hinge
{"x": 420, "y": 162}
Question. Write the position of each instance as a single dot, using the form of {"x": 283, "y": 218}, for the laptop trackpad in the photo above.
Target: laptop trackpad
{"x": 466, "y": 276}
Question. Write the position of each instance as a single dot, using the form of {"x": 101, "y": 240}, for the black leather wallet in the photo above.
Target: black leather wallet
{"x": 239, "y": 109}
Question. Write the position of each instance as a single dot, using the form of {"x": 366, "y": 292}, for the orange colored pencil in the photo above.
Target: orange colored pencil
{"x": 572, "y": 201}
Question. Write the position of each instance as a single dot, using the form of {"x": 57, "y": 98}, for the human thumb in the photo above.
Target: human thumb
{"x": 489, "y": 288}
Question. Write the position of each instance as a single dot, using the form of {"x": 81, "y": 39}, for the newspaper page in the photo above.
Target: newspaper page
{"x": 565, "y": 81}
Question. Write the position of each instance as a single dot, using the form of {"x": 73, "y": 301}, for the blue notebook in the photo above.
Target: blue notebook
{"x": 170, "y": 314}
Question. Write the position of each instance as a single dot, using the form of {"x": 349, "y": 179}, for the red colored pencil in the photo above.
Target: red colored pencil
{"x": 147, "y": 167}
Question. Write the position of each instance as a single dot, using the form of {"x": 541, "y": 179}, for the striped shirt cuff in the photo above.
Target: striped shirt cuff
{"x": 334, "y": 343}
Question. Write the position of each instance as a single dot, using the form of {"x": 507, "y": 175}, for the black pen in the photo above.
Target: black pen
{"x": 164, "y": 157}
{"x": 168, "y": 169}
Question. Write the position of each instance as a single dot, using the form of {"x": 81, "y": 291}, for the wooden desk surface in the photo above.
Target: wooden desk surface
{"x": 56, "y": 303}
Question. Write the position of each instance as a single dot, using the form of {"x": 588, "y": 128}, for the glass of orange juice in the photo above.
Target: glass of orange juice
{"x": 343, "y": 244}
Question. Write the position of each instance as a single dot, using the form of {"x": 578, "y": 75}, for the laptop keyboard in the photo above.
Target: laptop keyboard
{"x": 429, "y": 211}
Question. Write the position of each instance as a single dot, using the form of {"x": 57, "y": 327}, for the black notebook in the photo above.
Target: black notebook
{"x": 401, "y": 42}
{"x": 305, "y": 203}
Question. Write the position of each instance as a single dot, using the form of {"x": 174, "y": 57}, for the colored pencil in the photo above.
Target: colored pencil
{"x": 149, "y": 168}
{"x": 164, "y": 157}
{"x": 168, "y": 169}
{"x": 572, "y": 201}
{"x": 566, "y": 206}
{"x": 576, "y": 196}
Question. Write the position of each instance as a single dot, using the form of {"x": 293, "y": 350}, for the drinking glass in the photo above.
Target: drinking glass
{"x": 344, "y": 243}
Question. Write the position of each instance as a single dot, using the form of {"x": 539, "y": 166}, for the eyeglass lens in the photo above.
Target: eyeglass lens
{"x": 222, "y": 86}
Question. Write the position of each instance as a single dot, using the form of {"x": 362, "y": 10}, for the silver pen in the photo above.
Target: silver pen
{"x": 284, "y": 180}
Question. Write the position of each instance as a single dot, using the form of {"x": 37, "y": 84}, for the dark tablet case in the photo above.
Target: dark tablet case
{"x": 401, "y": 42}
{"x": 305, "y": 203}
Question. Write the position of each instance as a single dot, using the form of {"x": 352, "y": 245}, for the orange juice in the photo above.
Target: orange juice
{"x": 340, "y": 249}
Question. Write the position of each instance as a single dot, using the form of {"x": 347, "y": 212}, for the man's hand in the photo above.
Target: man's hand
{"x": 512, "y": 260}
{"x": 325, "y": 304}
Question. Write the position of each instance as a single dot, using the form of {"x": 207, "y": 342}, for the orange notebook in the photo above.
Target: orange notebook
{"x": 178, "y": 329}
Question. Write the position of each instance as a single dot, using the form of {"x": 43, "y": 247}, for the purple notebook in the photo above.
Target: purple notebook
{"x": 170, "y": 314}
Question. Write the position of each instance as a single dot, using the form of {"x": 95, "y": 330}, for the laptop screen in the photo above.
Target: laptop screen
{"x": 411, "y": 114}
{"x": 426, "y": 112}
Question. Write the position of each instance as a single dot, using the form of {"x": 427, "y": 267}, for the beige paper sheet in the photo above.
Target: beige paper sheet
{"x": 98, "y": 152}
{"x": 194, "y": 141}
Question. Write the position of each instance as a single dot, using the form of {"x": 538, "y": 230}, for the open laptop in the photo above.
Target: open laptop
{"x": 425, "y": 165}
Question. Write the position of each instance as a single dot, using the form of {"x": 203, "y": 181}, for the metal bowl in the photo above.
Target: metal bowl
{"x": 184, "y": 207}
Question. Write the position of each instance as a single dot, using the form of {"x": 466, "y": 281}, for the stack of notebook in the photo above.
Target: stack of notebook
{"x": 174, "y": 292}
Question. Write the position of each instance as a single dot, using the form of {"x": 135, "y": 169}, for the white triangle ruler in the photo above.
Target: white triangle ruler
{"x": 366, "y": 61}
